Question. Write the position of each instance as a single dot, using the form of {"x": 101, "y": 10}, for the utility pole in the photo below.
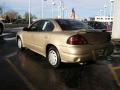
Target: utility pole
{"x": 29, "y": 10}
{"x": 53, "y": 4}
{"x": 105, "y": 6}
{"x": 42, "y": 9}
{"x": 111, "y": 7}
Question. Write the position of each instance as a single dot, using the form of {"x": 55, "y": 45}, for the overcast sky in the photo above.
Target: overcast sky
{"x": 83, "y": 8}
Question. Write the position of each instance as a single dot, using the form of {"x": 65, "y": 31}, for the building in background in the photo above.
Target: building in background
{"x": 101, "y": 19}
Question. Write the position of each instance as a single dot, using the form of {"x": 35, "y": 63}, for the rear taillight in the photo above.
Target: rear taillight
{"x": 77, "y": 40}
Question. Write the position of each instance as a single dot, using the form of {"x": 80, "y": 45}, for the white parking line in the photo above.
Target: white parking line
{"x": 5, "y": 34}
{"x": 20, "y": 28}
{"x": 10, "y": 55}
{"x": 26, "y": 81}
{"x": 8, "y": 39}
{"x": 115, "y": 55}
{"x": 114, "y": 73}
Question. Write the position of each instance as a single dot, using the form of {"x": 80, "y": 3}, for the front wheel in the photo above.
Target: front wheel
{"x": 53, "y": 57}
{"x": 19, "y": 42}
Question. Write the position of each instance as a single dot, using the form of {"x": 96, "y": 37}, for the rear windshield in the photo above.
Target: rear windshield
{"x": 72, "y": 25}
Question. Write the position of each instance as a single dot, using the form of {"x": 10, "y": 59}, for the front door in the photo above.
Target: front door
{"x": 42, "y": 35}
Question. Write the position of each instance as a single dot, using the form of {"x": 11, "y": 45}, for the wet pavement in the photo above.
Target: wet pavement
{"x": 26, "y": 70}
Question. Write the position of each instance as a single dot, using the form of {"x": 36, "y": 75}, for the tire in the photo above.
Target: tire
{"x": 53, "y": 57}
{"x": 1, "y": 29}
{"x": 20, "y": 45}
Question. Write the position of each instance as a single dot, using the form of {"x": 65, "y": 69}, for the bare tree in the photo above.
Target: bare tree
{"x": 19, "y": 17}
{"x": 26, "y": 16}
{"x": 34, "y": 17}
{"x": 1, "y": 11}
{"x": 12, "y": 15}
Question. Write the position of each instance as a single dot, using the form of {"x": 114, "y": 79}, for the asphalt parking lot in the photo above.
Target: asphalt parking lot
{"x": 26, "y": 70}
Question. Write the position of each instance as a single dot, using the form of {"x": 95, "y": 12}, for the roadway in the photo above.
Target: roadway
{"x": 27, "y": 70}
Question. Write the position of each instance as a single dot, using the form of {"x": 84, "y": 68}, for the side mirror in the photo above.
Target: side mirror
{"x": 25, "y": 29}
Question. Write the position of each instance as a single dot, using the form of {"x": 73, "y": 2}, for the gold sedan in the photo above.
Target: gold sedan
{"x": 65, "y": 40}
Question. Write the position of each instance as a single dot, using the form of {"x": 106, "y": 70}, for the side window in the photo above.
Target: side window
{"x": 48, "y": 26}
{"x": 37, "y": 26}
{"x": 33, "y": 27}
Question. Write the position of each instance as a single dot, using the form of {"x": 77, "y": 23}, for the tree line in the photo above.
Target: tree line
{"x": 12, "y": 16}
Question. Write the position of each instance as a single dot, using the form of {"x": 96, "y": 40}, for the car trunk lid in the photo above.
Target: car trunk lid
{"x": 96, "y": 37}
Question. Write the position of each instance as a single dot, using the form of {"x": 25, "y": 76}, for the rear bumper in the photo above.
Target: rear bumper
{"x": 84, "y": 53}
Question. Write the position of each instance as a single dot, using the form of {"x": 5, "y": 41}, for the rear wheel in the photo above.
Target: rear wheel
{"x": 53, "y": 57}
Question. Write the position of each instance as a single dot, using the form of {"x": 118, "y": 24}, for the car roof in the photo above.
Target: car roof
{"x": 55, "y": 19}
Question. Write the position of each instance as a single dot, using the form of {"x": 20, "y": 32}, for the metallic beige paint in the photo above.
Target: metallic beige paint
{"x": 38, "y": 42}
